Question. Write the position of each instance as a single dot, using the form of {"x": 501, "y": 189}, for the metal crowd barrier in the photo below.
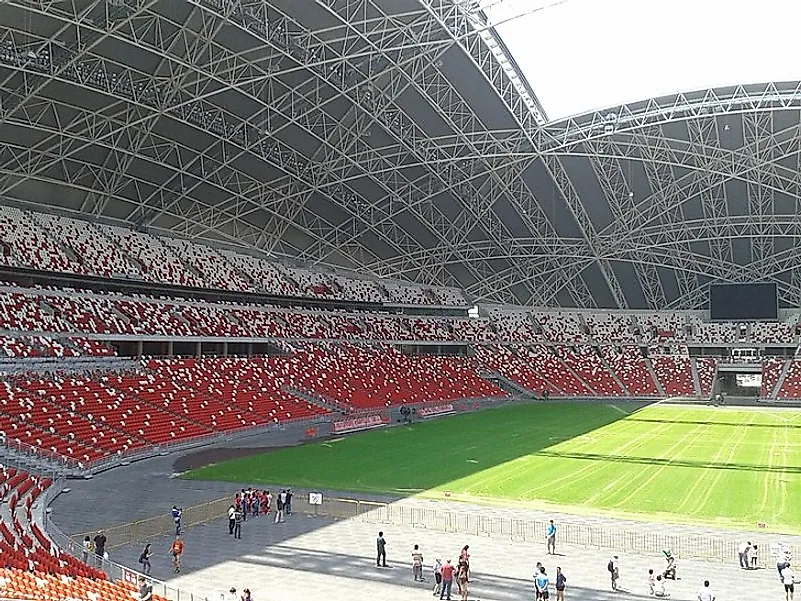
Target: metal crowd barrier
{"x": 115, "y": 571}
{"x": 583, "y": 534}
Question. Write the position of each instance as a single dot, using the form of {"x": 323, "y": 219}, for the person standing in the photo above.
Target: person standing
{"x": 788, "y": 580}
{"x": 381, "y": 546}
{"x": 447, "y": 581}
{"x": 177, "y": 514}
{"x": 417, "y": 564}
{"x": 288, "y": 502}
{"x": 231, "y": 518}
{"x": 753, "y": 557}
{"x": 279, "y": 507}
{"x": 239, "y": 518}
{"x": 144, "y": 559}
{"x": 742, "y": 553}
{"x": 100, "y": 546}
{"x": 437, "y": 576}
{"x": 561, "y": 581}
{"x": 463, "y": 577}
{"x": 614, "y": 571}
{"x": 541, "y": 584}
{"x": 88, "y": 547}
{"x": 177, "y": 551}
{"x": 705, "y": 593}
{"x": 551, "y": 538}
{"x": 650, "y": 582}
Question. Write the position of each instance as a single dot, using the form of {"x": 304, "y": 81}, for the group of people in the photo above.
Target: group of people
{"x": 176, "y": 552}
{"x": 747, "y": 554}
{"x": 95, "y": 547}
{"x": 250, "y": 502}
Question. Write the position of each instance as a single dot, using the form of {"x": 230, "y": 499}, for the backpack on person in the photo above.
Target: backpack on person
{"x": 611, "y": 567}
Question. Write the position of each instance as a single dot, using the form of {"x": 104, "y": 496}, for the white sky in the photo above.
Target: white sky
{"x": 589, "y": 54}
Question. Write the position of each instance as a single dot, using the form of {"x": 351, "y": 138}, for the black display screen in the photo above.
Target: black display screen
{"x": 743, "y": 302}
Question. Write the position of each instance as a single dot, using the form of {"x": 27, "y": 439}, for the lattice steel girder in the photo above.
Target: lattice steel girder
{"x": 619, "y": 195}
{"x": 562, "y": 181}
{"x": 215, "y": 118}
{"x": 464, "y": 29}
{"x": 758, "y": 128}
{"x": 560, "y": 135}
{"x": 89, "y": 129}
{"x": 704, "y": 138}
{"x": 667, "y": 195}
{"x": 443, "y": 98}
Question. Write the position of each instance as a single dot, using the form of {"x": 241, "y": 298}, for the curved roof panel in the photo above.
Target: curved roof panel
{"x": 393, "y": 137}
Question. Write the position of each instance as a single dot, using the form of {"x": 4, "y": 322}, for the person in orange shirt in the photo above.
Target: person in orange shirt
{"x": 177, "y": 550}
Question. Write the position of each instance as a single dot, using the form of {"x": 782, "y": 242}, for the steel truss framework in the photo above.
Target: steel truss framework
{"x": 353, "y": 144}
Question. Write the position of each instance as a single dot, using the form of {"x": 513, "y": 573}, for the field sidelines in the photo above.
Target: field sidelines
{"x": 616, "y": 539}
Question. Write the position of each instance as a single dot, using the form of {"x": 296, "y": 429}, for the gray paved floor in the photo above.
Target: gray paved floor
{"x": 315, "y": 558}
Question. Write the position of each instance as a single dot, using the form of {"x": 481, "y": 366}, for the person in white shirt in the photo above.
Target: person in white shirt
{"x": 788, "y": 580}
{"x": 659, "y": 587}
{"x": 742, "y": 553}
{"x": 705, "y": 593}
{"x": 437, "y": 576}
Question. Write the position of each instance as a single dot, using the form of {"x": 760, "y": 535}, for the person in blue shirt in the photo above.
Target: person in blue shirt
{"x": 541, "y": 584}
{"x": 177, "y": 514}
{"x": 551, "y": 538}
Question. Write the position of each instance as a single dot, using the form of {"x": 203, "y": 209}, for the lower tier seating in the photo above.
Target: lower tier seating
{"x": 791, "y": 387}
{"x": 675, "y": 374}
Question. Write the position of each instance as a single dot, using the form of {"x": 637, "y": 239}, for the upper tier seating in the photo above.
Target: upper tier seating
{"x": 767, "y": 332}
{"x": 562, "y": 326}
{"x": 59, "y": 244}
{"x": 159, "y": 263}
{"x": 515, "y": 325}
{"x": 657, "y": 328}
{"x": 607, "y": 328}
{"x": 24, "y": 244}
{"x": 719, "y": 333}
{"x": 214, "y": 269}
{"x": 96, "y": 254}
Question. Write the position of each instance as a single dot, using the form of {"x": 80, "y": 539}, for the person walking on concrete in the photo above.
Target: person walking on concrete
{"x": 437, "y": 576}
{"x": 561, "y": 581}
{"x": 239, "y": 518}
{"x": 381, "y": 547}
{"x": 788, "y": 580}
{"x": 177, "y": 551}
{"x": 417, "y": 564}
{"x": 541, "y": 584}
{"x": 100, "y": 546}
{"x": 177, "y": 515}
{"x": 705, "y": 593}
{"x": 231, "y": 518}
{"x": 144, "y": 559}
{"x": 279, "y": 507}
{"x": 614, "y": 571}
{"x": 742, "y": 554}
{"x": 447, "y": 580}
{"x": 551, "y": 538}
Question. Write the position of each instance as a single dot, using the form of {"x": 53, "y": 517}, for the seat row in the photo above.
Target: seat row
{"x": 59, "y": 244}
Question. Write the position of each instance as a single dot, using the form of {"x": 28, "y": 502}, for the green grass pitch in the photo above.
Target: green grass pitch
{"x": 727, "y": 466}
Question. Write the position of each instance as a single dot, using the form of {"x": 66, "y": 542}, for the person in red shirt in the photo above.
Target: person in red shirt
{"x": 447, "y": 580}
{"x": 177, "y": 549}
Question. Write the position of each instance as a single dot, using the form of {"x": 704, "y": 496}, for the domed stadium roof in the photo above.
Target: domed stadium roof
{"x": 393, "y": 137}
